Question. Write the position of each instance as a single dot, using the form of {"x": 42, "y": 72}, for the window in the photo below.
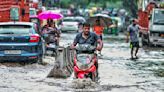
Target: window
{"x": 14, "y": 13}
{"x": 159, "y": 17}
{"x": 33, "y": 12}
{"x": 15, "y": 29}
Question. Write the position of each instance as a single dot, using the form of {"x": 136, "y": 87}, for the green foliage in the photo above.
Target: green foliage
{"x": 65, "y": 3}
{"x": 89, "y": 3}
{"x": 130, "y": 5}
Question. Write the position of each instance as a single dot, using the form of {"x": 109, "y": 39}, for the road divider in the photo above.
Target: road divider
{"x": 63, "y": 66}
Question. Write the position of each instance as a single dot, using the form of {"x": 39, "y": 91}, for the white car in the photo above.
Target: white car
{"x": 80, "y": 19}
{"x": 69, "y": 24}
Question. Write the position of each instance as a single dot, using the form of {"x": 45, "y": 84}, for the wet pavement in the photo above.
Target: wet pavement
{"x": 118, "y": 73}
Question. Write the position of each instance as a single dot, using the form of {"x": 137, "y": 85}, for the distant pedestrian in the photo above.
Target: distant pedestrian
{"x": 98, "y": 29}
{"x": 133, "y": 32}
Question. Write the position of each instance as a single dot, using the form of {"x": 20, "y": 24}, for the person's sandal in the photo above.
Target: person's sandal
{"x": 132, "y": 58}
{"x": 136, "y": 57}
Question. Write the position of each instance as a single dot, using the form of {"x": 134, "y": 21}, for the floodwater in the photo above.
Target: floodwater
{"x": 118, "y": 73}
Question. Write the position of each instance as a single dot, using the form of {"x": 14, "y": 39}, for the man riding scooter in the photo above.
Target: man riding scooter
{"x": 87, "y": 37}
{"x": 51, "y": 35}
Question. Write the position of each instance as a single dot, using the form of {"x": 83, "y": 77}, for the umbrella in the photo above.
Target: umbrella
{"x": 50, "y": 15}
{"x": 104, "y": 19}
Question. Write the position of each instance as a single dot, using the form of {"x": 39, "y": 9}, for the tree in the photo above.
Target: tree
{"x": 131, "y": 5}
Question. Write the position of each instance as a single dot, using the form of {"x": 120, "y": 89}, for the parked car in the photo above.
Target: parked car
{"x": 80, "y": 19}
{"x": 20, "y": 41}
{"x": 69, "y": 24}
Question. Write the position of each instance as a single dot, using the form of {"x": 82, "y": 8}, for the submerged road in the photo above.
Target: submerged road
{"x": 117, "y": 72}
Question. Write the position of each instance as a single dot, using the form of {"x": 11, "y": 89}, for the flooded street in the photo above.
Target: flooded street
{"x": 118, "y": 73}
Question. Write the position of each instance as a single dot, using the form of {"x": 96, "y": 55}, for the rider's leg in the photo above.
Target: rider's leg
{"x": 102, "y": 44}
{"x": 96, "y": 65}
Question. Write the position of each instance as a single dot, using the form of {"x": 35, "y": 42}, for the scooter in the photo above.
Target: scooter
{"x": 52, "y": 47}
{"x": 51, "y": 43}
{"x": 85, "y": 61}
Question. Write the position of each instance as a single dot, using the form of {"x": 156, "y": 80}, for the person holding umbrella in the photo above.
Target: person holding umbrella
{"x": 98, "y": 29}
{"x": 99, "y": 22}
{"x": 55, "y": 34}
{"x": 50, "y": 26}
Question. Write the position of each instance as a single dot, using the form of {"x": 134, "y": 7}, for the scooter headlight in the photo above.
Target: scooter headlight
{"x": 84, "y": 62}
{"x": 82, "y": 66}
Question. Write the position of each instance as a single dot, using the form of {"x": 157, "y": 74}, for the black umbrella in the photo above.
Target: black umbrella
{"x": 103, "y": 19}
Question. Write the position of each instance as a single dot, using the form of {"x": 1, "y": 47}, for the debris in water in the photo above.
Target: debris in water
{"x": 84, "y": 84}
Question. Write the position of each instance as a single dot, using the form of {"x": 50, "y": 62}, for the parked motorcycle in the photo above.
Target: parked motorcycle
{"x": 85, "y": 61}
